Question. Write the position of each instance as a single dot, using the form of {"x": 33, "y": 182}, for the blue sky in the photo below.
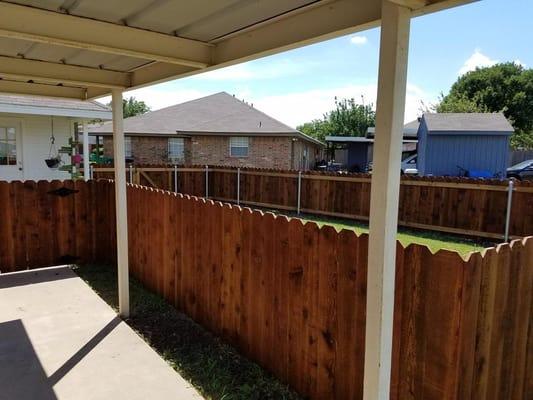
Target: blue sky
{"x": 300, "y": 85}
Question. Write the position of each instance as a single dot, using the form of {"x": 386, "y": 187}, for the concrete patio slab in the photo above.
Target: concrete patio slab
{"x": 60, "y": 340}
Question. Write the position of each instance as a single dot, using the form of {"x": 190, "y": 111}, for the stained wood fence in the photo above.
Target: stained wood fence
{"x": 52, "y": 223}
{"x": 292, "y": 296}
{"x": 453, "y": 205}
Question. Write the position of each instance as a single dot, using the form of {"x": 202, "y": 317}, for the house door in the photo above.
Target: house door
{"x": 11, "y": 167}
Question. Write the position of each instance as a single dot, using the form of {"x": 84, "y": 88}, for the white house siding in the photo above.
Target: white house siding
{"x": 36, "y": 132}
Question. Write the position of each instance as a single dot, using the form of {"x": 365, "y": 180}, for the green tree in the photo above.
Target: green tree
{"x": 506, "y": 88}
{"x": 348, "y": 118}
{"x": 132, "y": 107}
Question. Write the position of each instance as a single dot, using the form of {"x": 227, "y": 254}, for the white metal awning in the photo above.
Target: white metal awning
{"x": 82, "y": 49}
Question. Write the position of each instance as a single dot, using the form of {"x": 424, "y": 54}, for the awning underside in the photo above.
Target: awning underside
{"x": 84, "y": 48}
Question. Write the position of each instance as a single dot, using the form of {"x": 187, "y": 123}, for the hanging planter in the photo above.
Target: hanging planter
{"x": 53, "y": 163}
{"x": 54, "y": 160}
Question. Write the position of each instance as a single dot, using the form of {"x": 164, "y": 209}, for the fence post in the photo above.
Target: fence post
{"x": 91, "y": 171}
{"x": 510, "y": 189}
{"x": 207, "y": 181}
{"x": 131, "y": 173}
{"x": 238, "y": 185}
{"x": 299, "y": 192}
{"x": 175, "y": 178}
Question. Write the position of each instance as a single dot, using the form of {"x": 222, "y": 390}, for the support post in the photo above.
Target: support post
{"x": 175, "y": 179}
{"x": 86, "y": 153}
{"x": 131, "y": 173}
{"x": 119, "y": 156}
{"x": 510, "y": 189}
{"x": 238, "y": 186}
{"x": 299, "y": 192}
{"x": 392, "y": 81}
{"x": 207, "y": 181}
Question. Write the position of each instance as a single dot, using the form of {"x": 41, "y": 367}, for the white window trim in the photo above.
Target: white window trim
{"x": 247, "y": 146}
{"x": 128, "y": 147}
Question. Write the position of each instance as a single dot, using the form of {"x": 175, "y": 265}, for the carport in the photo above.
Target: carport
{"x": 88, "y": 49}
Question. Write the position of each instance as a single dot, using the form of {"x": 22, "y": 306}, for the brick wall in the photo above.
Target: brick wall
{"x": 264, "y": 152}
{"x": 148, "y": 149}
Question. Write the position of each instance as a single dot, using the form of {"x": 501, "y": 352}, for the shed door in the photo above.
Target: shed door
{"x": 11, "y": 167}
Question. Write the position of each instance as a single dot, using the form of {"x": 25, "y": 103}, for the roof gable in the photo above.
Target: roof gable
{"x": 217, "y": 113}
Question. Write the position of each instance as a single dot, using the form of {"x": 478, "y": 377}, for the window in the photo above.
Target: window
{"x": 8, "y": 146}
{"x": 176, "y": 150}
{"x": 127, "y": 147}
{"x": 238, "y": 146}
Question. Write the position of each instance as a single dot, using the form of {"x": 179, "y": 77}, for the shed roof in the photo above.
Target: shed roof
{"x": 39, "y": 105}
{"x": 467, "y": 122}
{"x": 217, "y": 114}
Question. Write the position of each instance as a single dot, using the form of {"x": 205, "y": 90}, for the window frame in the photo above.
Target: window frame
{"x": 239, "y": 145}
{"x": 176, "y": 160}
{"x": 128, "y": 147}
{"x": 4, "y": 138}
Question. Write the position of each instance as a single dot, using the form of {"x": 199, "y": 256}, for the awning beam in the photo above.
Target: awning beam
{"x": 54, "y": 28}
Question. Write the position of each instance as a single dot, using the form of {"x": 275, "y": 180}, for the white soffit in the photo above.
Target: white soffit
{"x": 84, "y": 48}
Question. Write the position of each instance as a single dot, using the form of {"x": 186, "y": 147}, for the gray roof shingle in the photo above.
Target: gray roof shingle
{"x": 467, "y": 122}
{"x": 219, "y": 113}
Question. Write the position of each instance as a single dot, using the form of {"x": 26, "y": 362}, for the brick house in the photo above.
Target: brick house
{"x": 215, "y": 130}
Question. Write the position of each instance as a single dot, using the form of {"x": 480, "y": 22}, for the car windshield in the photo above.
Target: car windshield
{"x": 522, "y": 165}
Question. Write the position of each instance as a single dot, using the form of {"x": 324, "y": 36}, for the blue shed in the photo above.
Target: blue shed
{"x": 450, "y": 143}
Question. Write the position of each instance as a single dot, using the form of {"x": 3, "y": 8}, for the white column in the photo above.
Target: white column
{"x": 395, "y": 21}
{"x": 86, "y": 155}
{"x": 119, "y": 158}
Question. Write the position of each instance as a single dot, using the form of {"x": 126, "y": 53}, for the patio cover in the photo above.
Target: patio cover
{"x": 86, "y": 49}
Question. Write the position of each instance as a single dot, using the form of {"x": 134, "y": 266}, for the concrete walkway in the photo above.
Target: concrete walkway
{"x": 59, "y": 340}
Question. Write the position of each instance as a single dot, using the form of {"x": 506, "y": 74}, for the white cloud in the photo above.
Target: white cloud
{"x": 359, "y": 40}
{"x": 299, "y": 107}
{"x": 477, "y": 59}
{"x": 292, "y": 108}
{"x": 518, "y": 62}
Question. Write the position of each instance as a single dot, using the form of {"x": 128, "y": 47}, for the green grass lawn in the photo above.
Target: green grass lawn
{"x": 216, "y": 369}
{"x": 434, "y": 240}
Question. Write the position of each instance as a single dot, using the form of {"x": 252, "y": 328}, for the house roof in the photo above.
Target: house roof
{"x": 410, "y": 130}
{"x": 217, "y": 114}
{"x": 39, "y": 105}
{"x": 467, "y": 122}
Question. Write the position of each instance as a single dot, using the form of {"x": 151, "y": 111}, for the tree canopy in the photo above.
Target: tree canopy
{"x": 348, "y": 118}
{"x": 132, "y": 107}
{"x": 506, "y": 87}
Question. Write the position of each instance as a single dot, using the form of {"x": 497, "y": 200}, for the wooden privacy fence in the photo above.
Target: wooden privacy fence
{"x": 453, "y": 205}
{"x": 51, "y": 223}
{"x": 293, "y": 296}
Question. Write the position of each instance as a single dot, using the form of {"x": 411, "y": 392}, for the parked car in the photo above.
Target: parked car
{"x": 523, "y": 170}
{"x": 409, "y": 165}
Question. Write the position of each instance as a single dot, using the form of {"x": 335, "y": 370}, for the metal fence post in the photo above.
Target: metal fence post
{"x": 131, "y": 173}
{"x": 238, "y": 186}
{"x": 91, "y": 171}
{"x": 299, "y": 191}
{"x": 206, "y": 181}
{"x": 175, "y": 178}
{"x": 510, "y": 189}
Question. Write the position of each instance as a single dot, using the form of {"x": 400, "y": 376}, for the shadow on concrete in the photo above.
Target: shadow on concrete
{"x": 22, "y": 376}
{"x": 86, "y": 349}
{"x": 31, "y": 277}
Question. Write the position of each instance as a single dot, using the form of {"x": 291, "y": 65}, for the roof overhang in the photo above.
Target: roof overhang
{"x": 84, "y": 49}
{"x": 54, "y": 111}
